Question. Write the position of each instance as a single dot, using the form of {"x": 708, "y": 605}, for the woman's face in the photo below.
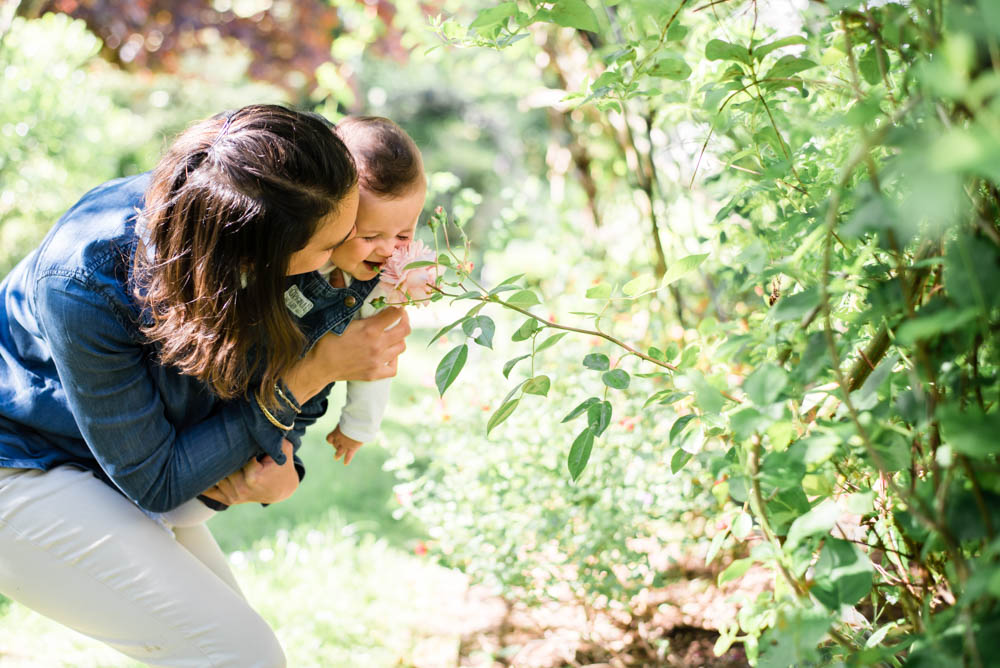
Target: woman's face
{"x": 333, "y": 230}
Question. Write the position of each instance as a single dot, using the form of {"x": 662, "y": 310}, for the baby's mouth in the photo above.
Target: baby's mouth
{"x": 373, "y": 266}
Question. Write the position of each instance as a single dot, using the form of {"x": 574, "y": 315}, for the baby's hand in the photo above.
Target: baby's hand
{"x": 343, "y": 445}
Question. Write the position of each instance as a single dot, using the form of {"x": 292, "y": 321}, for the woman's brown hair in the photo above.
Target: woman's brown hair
{"x": 388, "y": 159}
{"x": 228, "y": 204}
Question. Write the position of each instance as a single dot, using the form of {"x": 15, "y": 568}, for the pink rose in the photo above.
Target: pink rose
{"x": 401, "y": 285}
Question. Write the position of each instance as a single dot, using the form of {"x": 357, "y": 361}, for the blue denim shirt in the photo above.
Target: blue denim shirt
{"x": 80, "y": 384}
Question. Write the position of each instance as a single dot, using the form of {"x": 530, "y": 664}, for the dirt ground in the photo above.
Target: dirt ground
{"x": 674, "y": 626}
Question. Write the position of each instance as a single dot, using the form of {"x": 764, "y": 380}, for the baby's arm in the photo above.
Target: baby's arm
{"x": 360, "y": 417}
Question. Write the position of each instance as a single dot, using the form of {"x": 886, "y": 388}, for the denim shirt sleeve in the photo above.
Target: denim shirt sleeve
{"x": 312, "y": 411}
{"x": 120, "y": 413}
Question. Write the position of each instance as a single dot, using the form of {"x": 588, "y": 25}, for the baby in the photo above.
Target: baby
{"x": 392, "y": 190}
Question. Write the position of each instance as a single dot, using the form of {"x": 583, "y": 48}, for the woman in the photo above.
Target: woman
{"x": 169, "y": 338}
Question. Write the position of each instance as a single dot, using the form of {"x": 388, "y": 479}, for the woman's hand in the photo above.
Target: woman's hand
{"x": 263, "y": 481}
{"x": 367, "y": 350}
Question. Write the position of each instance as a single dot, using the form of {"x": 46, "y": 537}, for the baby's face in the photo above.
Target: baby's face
{"x": 382, "y": 225}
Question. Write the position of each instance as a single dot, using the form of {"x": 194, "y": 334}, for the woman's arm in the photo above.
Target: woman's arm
{"x": 117, "y": 406}
{"x": 365, "y": 351}
{"x": 263, "y": 481}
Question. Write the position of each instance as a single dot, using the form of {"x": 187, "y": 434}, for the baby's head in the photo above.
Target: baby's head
{"x": 392, "y": 192}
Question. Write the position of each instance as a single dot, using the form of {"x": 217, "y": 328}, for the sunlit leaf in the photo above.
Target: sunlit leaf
{"x": 549, "y": 342}
{"x": 505, "y": 411}
{"x": 579, "y": 453}
{"x": 538, "y": 385}
{"x": 616, "y": 379}
{"x": 574, "y": 14}
{"x": 450, "y": 366}
{"x": 677, "y": 269}
{"x": 523, "y": 299}
{"x": 486, "y": 327}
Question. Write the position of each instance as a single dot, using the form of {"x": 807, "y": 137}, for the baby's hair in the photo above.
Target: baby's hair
{"x": 387, "y": 158}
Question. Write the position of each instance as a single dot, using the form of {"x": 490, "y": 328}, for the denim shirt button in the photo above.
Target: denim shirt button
{"x": 350, "y": 301}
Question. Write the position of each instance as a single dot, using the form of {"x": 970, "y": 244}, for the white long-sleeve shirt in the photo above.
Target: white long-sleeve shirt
{"x": 366, "y": 401}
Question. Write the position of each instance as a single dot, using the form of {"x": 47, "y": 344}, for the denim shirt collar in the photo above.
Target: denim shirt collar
{"x": 318, "y": 307}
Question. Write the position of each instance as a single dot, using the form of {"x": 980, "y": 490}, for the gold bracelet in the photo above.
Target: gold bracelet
{"x": 270, "y": 418}
{"x": 284, "y": 397}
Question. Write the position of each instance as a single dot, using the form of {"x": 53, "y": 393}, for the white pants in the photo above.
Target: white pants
{"x": 78, "y": 552}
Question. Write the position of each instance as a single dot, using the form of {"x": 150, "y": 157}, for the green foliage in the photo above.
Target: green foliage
{"x": 70, "y": 121}
{"x": 841, "y": 387}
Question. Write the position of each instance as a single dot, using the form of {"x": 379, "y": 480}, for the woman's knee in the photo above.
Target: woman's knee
{"x": 245, "y": 640}
{"x": 260, "y": 650}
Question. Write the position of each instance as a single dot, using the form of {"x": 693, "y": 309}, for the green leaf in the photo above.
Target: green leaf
{"x": 707, "y": 397}
{"x": 597, "y": 361}
{"x": 538, "y": 385}
{"x": 679, "y": 459}
{"x": 574, "y": 14}
{"x": 505, "y": 282}
{"x": 716, "y": 545}
{"x": 524, "y": 332}
{"x": 868, "y": 65}
{"x": 494, "y": 15}
{"x": 794, "y": 307}
{"x": 924, "y": 327}
{"x": 690, "y": 438}
{"x": 717, "y": 49}
{"x": 485, "y": 325}
{"x": 451, "y": 364}
{"x": 735, "y": 570}
{"x": 818, "y": 520}
{"x": 971, "y": 431}
{"x": 679, "y": 425}
{"x": 579, "y": 453}
{"x": 523, "y": 299}
{"x": 676, "y": 32}
{"x": 842, "y": 575}
{"x": 672, "y": 67}
{"x": 418, "y": 264}
{"x": 789, "y": 66}
{"x": 765, "y": 49}
{"x": 549, "y": 342}
{"x": 447, "y": 328}
{"x": 764, "y": 386}
{"x": 664, "y": 397}
{"x": 742, "y": 526}
{"x": 599, "y": 291}
{"x": 785, "y": 508}
{"x": 509, "y": 365}
{"x": 616, "y": 379}
{"x": 639, "y": 285}
{"x": 599, "y": 417}
{"x": 681, "y": 267}
{"x": 505, "y": 411}
{"x": 582, "y": 408}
